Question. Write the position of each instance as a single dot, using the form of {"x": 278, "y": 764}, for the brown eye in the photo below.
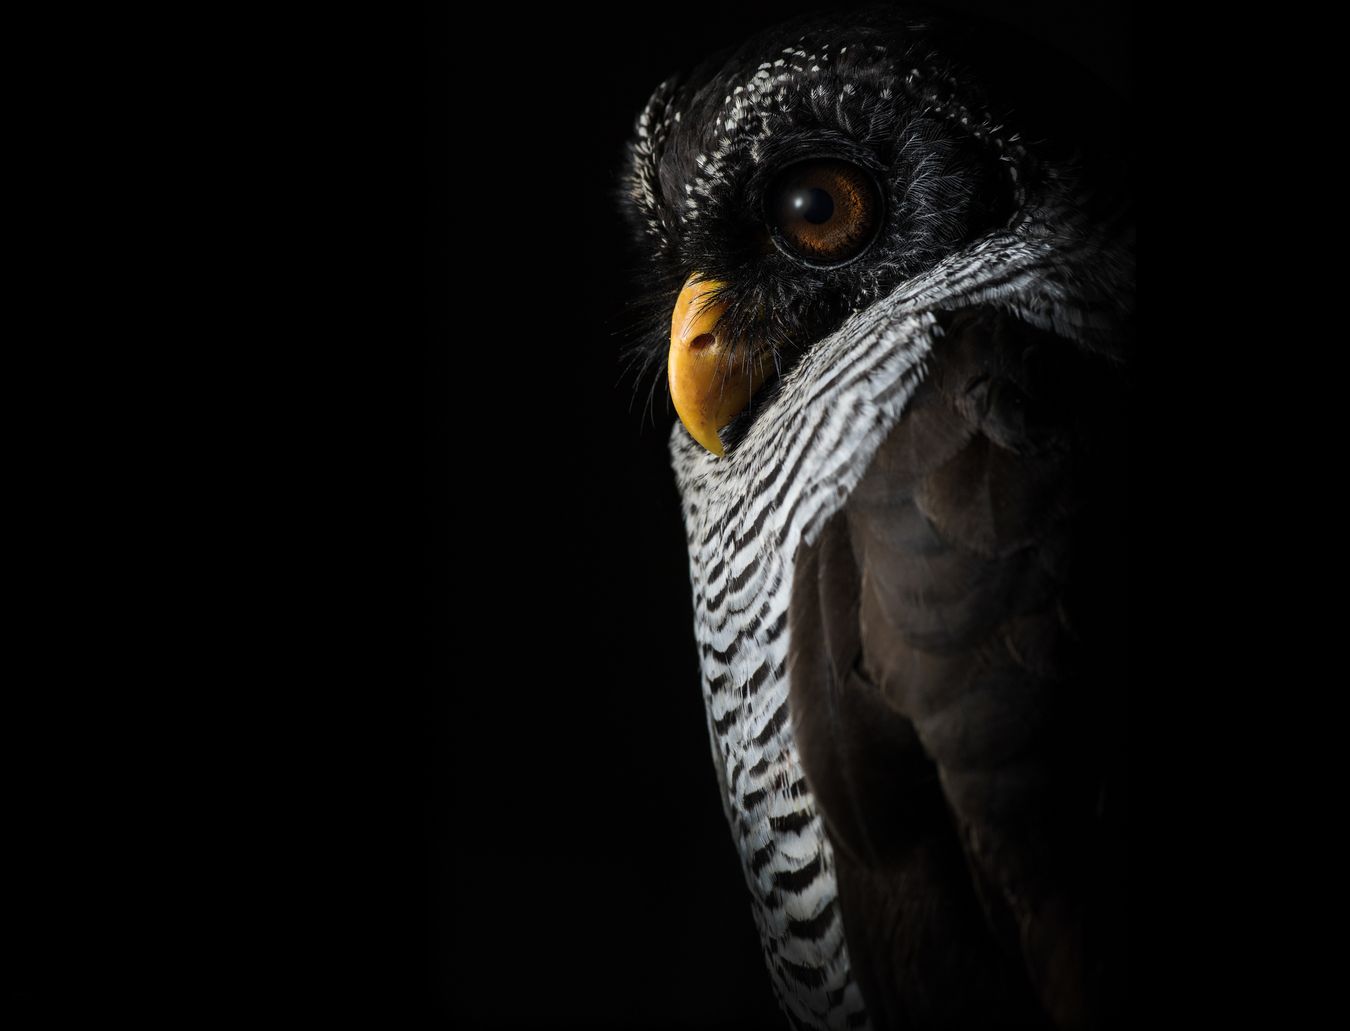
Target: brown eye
{"x": 824, "y": 212}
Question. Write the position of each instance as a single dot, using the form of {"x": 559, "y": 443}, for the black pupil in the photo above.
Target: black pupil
{"x": 812, "y": 204}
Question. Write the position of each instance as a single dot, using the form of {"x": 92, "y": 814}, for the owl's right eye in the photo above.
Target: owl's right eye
{"x": 823, "y": 212}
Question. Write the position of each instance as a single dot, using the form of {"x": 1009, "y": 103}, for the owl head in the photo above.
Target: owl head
{"x": 780, "y": 187}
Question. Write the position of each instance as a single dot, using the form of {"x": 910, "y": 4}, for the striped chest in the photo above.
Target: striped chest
{"x": 744, "y": 527}
{"x": 785, "y": 854}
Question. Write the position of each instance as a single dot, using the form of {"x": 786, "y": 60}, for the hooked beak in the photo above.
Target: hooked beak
{"x": 711, "y": 379}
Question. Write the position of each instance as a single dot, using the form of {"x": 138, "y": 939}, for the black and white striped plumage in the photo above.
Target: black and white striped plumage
{"x": 907, "y": 569}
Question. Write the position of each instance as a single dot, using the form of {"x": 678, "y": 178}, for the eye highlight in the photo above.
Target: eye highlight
{"x": 823, "y": 212}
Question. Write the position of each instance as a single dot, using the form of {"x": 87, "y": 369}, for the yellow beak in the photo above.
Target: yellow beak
{"x": 711, "y": 379}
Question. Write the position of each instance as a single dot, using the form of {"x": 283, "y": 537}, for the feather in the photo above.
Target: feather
{"x": 942, "y": 707}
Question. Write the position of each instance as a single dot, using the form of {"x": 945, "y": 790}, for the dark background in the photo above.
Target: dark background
{"x": 579, "y": 867}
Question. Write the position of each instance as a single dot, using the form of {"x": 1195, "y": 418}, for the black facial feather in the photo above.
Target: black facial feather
{"x": 871, "y": 91}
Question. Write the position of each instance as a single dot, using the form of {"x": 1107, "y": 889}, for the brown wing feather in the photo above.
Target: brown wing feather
{"x": 957, "y": 689}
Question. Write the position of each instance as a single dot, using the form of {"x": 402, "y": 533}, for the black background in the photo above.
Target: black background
{"x": 579, "y": 868}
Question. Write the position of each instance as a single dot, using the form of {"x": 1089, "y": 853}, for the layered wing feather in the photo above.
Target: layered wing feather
{"x": 958, "y": 669}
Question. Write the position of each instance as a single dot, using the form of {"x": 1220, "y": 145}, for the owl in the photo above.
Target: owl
{"x": 894, "y": 318}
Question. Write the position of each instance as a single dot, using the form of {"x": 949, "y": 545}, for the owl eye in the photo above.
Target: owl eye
{"x": 823, "y": 212}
